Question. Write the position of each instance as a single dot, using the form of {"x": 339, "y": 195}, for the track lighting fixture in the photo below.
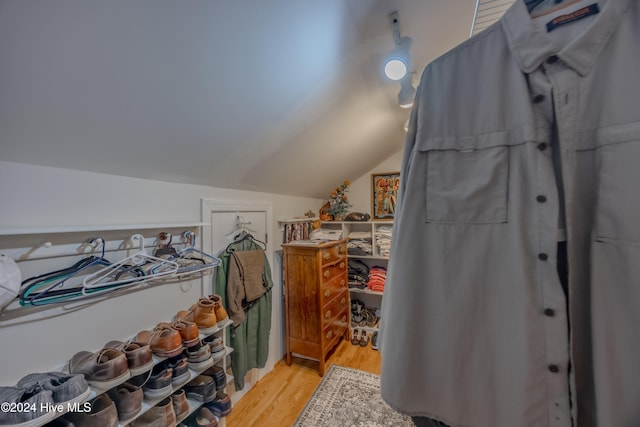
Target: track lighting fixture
{"x": 397, "y": 63}
{"x": 407, "y": 92}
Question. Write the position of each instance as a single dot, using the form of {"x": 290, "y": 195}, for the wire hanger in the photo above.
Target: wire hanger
{"x": 111, "y": 275}
{"x": 240, "y": 224}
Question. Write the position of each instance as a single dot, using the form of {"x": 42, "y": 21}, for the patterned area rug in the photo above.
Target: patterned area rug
{"x": 349, "y": 397}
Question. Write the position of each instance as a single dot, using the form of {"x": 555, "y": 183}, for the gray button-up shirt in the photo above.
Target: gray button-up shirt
{"x": 519, "y": 138}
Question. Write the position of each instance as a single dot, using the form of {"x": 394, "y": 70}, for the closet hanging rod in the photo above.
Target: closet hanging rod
{"x": 108, "y": 249}
{"x": 15, "y": 231}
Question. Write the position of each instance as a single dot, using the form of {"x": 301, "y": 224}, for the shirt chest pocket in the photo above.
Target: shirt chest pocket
{"x": 466, "y": 184}
{"x": 618, "y": 206}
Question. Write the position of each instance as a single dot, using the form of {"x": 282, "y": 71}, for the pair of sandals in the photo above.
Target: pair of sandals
{"x": 360, "y": 337}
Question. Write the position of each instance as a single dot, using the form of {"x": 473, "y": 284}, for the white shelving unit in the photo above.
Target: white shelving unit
{"x": 371, "y": 299}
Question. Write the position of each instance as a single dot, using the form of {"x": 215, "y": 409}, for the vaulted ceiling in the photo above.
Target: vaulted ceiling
{"x": 281, "y": 96}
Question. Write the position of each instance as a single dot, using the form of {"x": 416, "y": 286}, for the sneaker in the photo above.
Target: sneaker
{"x": 35, "y": 398}
{"x": 66, "y": 388}
{"x": 374, "y": 340}
{"x": 364, "y": 339}
{"x": 179, "y": 369}
{"x": 199, "y": 357}
{"x": 220, "y": 406}
{"x": 216, "y": 342}
{"x": 218, "y": 375}
{"x": 202, "y": 388}
{"x": 159, "y": 382}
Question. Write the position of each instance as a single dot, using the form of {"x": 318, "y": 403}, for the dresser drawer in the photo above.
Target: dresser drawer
{"x": 332, "y": 308}
{"x": 332, "y": 271}
{"x": 331, "y": 289}
{"x": 334, "y": 329}
{"x": 333, "y": 253}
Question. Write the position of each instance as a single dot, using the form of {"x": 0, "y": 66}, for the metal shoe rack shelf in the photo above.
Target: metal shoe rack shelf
{"x": 216, "y": 359}
{"x": 48, "y": 248}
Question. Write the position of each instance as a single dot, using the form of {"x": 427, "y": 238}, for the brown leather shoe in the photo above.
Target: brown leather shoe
{"x": 221, "y": 313}
{"x": 103, "y": 414}
{"x": 205, "y": 418}
{"x": 180, "y": 404}
{"x": 188, "y": 331}
{"x": 104, "y": 369}
{"x": 128, "y": 400}
{"x": 161, "y": 415}
{"x": 139, "y": 356}
{"x": 203, "y": 314}
{"x": 165, "y": 342}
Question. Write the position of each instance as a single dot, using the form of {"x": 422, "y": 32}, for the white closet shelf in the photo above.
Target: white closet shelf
{"x": 296, "y": 220}
{"x": 14, "y": 231}
{"x": 365, "y": 291}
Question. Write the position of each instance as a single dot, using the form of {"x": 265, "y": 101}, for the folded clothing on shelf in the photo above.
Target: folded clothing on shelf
{"x": 326, "y": 234}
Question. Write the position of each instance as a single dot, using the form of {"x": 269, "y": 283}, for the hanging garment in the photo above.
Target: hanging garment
{"x": 250, "y": 337}
{"x": 523, "y": 136}
{"x": 245, "y": 282}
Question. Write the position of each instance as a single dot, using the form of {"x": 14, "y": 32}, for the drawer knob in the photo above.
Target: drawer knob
{"x": 327, "y": 315}
{"x": 329, "y": 334}
{"x": 327, "y": 292}
{"x": 326, "y": 273}
{"x": 326, "y": 256}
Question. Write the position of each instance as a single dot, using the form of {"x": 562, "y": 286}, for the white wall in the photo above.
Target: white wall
{"x": 35, "y": 196}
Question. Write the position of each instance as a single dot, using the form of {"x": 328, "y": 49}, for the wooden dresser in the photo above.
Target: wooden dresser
{"x": 316, "y": 298}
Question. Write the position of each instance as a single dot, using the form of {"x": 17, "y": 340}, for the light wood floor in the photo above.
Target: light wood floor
{"x": 278, "y": 398}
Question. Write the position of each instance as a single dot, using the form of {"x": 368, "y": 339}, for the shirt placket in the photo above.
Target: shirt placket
{"x": 553, "y": 301}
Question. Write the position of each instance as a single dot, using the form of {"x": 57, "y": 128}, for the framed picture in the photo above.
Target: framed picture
{"x": 384, "y": 192}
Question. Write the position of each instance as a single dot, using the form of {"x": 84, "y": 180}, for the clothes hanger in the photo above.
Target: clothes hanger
{"x": 111, "y": 276}
{"x": 189, "y": 252}
{"x": 51, "y": 288}
{"x": 190, "y": 259}
{"x": 164, "y": 246}
{"x": 240, "y": 224}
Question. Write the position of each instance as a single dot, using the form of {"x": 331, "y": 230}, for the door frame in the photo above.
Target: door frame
{"x": 227, "y": 205}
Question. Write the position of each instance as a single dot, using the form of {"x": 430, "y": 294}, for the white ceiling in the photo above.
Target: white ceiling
{"x": 282, "y": 96}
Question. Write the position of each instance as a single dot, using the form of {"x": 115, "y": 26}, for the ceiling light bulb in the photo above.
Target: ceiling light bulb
{"x": 396, "y": 65}
{"x": 395, "y": 69}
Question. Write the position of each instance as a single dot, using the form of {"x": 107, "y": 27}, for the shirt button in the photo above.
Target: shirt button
{"x": 552, "y": 59}
{"x": 538, "y": 99}
{"x": 542, "y": 146}
{"x": 549, "y": 312}
{"x": 543, "y": 257}
{"x": 541, "y": 199}
{"x": 554, "y": 369}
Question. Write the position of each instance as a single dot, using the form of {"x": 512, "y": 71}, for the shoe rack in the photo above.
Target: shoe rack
{"x": 67, "y": 328}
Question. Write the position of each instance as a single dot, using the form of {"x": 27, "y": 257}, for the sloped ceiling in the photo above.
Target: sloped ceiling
{"x": 281, "y": 96}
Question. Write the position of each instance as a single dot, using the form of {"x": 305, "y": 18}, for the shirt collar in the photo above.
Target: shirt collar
{"x": 531, "y": 45}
